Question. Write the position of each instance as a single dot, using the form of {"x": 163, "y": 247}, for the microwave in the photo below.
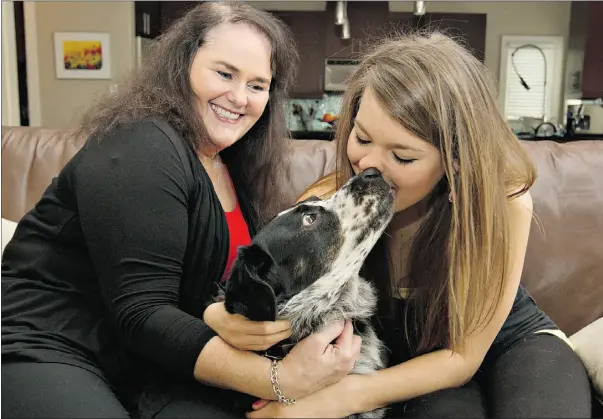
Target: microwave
{"x": 337, "y": 72}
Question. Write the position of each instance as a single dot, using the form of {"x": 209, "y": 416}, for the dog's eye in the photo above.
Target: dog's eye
{"x": 308, "y": 219}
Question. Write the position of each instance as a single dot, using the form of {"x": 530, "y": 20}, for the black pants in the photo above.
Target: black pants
{"x": 537, "y": 377}
{"x": 44, "y": 390}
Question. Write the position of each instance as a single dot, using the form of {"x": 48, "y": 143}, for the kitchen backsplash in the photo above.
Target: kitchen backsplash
{"x": 313, "y": 114}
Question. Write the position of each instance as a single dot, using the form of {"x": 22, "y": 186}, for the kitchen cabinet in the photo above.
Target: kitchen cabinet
{"x": 173, "y": 10}
{"x": 147, "y": 18}
{"x": 308, "y": 33}
{"x": 152, "y": 18}
{"x": 592, "y": 72}
{"x": 402, "y": 22}
{"x": 470, "y": 27}
{"x": 368, "y": 23}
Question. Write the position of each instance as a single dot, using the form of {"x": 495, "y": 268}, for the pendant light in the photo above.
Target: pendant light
{"x": 345, "y": 29}
{"x": 419, "y": 8}
{"x": 341, "y": 14}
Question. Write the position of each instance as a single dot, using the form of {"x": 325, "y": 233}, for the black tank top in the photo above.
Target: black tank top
{"x": 524, "y": 319}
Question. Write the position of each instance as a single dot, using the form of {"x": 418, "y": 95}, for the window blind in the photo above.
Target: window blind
{"x": 530, "y": 64}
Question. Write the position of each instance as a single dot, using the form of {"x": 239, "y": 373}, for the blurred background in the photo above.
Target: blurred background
{"x": 547, "y": 56}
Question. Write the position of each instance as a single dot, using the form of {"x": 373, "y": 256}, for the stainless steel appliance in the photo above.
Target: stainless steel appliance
{"x": 584, "y": 116}
{"x": 337, "y": 72}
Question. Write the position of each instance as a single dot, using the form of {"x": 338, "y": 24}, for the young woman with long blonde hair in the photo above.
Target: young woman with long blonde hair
{"x": 464, "y": 337}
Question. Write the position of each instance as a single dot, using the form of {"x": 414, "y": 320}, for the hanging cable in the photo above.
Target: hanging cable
{"x": 523, "y": 82}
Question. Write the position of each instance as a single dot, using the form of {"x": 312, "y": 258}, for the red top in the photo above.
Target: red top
{"x": 239, "y": 236}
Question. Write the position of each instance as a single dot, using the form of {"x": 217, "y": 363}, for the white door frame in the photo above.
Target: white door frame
{"x": 10, "y": 76}
{"x": 33, "y": 68}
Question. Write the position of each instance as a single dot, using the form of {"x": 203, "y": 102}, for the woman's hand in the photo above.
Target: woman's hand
{"x": 335, "y": 401}
{"x": 315, "y": 362}
{"x": 242, "y": 333}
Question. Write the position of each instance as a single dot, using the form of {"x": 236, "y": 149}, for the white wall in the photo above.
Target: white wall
{"x": 10, "y": 83}
{"x": 57, "y": 102}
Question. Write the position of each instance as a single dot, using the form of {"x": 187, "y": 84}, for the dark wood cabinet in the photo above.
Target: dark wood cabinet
{"x": 368, "y": 24}
{"x": 468, "y": 27}
{"x": 154, "y": 17}
{"x": 400, "y": 23}
{"x": 318, "y": 38}
{"x": 308, "y": 32}
{"x": 592, "y": 72}
{"x": 147, "y": 18}
{"x": 371, "y": 21}
{"x": 173, "y": 10}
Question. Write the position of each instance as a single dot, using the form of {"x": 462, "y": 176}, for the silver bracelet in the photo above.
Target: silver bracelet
{"x": 275, "y": 386}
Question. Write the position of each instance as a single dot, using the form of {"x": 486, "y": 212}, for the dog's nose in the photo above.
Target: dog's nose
{"x": 371, "y": 173}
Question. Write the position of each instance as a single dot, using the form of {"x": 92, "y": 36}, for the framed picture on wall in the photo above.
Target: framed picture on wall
{"x": 82, "y": 55}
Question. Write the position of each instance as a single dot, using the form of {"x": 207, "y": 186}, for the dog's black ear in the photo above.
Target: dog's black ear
{"x": 248, "y": 290}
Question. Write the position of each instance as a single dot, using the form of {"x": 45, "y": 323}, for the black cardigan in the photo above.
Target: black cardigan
{"x": 113, "y": 268}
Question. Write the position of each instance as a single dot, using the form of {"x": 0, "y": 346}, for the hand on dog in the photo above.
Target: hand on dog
{"x": 242, "y": 333}
{"x": 335, "y": 401}
{"x": 319, "y": 360}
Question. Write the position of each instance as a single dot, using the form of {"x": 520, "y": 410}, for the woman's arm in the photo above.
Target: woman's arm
{"x": 424, "y": 374}
{"x": 221, "y": 365}
{"x": 314, "y": 363}
{"x": 444, "y": 369}
{"x": 132, "y": 196}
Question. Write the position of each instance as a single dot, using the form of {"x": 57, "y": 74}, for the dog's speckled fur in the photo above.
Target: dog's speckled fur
{"x": 314, "y": 280}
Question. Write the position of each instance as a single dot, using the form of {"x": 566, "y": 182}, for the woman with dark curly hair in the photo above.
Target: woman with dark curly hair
{"x": 107, "y": 283}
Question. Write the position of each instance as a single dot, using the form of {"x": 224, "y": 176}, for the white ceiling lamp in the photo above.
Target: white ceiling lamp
{"x": 419, "y": 9}
{"x": 345, "y": 29}
{"x": 341, "y": 13}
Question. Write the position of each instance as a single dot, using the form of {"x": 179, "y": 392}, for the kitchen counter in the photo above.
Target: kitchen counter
{"x": 313, "y": 135}
{"x": 329, "y": 136}
{"x": 561, "y": 138}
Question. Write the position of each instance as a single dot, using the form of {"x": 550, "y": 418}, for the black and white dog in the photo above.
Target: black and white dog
{"x": 304, "y": 266}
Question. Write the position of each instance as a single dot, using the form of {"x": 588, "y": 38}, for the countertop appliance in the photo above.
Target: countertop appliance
{"x": 337, "y": 72}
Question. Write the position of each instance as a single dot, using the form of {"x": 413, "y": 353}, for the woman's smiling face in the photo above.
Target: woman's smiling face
{"x": 413, "y": 165}
{"x": 230, "y": 76}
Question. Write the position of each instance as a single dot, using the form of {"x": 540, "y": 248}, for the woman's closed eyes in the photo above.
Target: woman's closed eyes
{"x": 397, "y": 158}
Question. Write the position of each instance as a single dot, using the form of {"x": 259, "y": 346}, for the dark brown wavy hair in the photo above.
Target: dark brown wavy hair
{"x": 161, "y": 87}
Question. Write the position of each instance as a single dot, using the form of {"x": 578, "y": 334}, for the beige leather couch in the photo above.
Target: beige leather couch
{"x": 564, "y": 261}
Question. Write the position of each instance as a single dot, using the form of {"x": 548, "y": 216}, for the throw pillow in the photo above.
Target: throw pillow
{"x": 587, "y": 344}
{"x": 8, "y": 229}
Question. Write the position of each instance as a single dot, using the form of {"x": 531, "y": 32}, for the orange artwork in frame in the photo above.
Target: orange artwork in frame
{"x": 82, "y": 55}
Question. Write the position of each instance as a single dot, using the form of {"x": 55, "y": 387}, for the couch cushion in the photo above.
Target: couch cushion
{"x": 309, "y": 161}
{"x": 30, "y": 159}
{"x": 564, "y": 260}
{"x": 23, "y": 182}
